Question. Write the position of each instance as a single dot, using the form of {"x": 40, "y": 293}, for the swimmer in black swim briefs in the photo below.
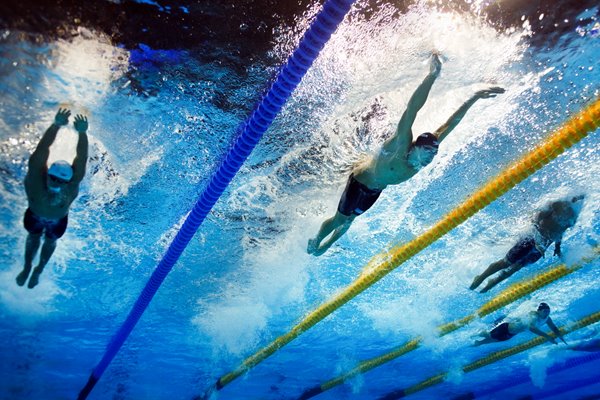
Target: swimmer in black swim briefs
{"x": 526, "y": 251}
{"x": 532, "y": 321}
{"x": 549, "y": 226}
{"x": 400, "y": 158}
{"x": 357, "y": 198}
{"x": 50, "y": 192}
{"x": 501, "y": 332}
{"x": 53, "y": 229}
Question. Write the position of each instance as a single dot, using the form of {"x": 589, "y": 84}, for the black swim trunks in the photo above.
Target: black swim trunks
{"x": 36, "y": 225}
{"x": 501, "y": 333}
{"x": 524, "y": 252}
{"x": 357, "y": 198}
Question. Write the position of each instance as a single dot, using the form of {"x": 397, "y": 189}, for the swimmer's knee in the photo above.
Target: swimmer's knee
{"x": 50, "y": 240}
{"x": 343, "y": 219}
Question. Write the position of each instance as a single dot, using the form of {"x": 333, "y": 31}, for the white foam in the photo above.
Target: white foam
{"x": 273, "y": 280}
{"x": 539, "y": 362}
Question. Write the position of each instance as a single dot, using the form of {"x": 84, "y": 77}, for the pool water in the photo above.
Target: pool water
{"x": 161, "y": 120}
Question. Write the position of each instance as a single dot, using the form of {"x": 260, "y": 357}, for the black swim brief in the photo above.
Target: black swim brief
{"x": 524, "y": 252}
{"x": 501, "y": 333}
{"x": 357, "y": 198}
{"x": 54, "y": 229}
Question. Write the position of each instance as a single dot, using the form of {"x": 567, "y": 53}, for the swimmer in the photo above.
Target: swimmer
{"x": 590, "y": 344}
{"x": 549, "y": 225}
{"x": 398, "y": 160}
{"x": 50, "y": 192}
{"x": 509, "y": 327}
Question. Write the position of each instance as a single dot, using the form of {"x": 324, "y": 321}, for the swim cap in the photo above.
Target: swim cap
{"x": 61, "y": 170}
{"x": 543, "y": 306}
{"x": 427, "y": 139}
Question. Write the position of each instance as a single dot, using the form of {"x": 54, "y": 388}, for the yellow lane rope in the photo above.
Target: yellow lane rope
{"x": 509, "y": 295}
{"x": 571, "y": 132}
{"x": 496, "y": 356}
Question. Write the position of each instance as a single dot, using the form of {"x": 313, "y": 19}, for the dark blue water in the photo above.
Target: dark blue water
{"x": 160, "y": 120}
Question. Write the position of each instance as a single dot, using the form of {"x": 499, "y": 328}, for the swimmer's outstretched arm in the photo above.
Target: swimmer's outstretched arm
{"x": 403, "y": 137}
{"x": 455, "y": 118}
{"x": 554, "y": 329}
{"x": 39, "y": 157}
{"x": 34, "y": 180}
{"x": 80, "y": 161}
{"x": 542, "y": 333}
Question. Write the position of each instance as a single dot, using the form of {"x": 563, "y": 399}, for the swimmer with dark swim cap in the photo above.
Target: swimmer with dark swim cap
{"x": 398, "y": 160}
{"x": 423, "y": 150}
{"x": 590, "y": 343}
{"x": 511, "y": 326}
{"x": 549, "y": 226}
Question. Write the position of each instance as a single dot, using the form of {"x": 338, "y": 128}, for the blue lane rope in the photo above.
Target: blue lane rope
{"x": 326, "y": 22}
{"x": 524, "y": 376}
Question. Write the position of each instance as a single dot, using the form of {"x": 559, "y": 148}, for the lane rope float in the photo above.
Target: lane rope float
{"x": 491, "y": 358}
{"x": 513, "y": 293}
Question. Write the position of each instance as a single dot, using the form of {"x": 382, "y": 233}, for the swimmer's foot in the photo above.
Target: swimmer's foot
{"x": 35, "y": 278}
{"x": 476, "y": 282}
{"x": 320, "y": 252}
{"x": 22, "y": 277}
{"x": 312, "y": 246}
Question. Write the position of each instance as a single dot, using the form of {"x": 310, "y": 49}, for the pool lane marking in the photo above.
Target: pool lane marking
{"x": 515, "y": 292}
{"x": 491, "y": 358}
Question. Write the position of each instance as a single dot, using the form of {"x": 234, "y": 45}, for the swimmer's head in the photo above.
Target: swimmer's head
{"x": 423, "y": 150}
{"x": 543, "y": 309}
{"x": 577, "y": 202}
{"x": 59, "y": 174}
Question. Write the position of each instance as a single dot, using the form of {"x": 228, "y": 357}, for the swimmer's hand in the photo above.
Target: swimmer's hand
{"x": 62, "y": 117}
{"x": 557, "y": 251}
{"x": 80, "y": 123}
{"x": 488, "y": 93}
{"x": 563, "y": 340}
{"x": 436, "y": 65}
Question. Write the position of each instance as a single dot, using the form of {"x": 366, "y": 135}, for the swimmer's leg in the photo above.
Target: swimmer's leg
{"x": 31, "y": 247}
{"x": 491, "y": 269}
{"x": 338, "y": 224}
{"x": 504, "y": 275}
{"x": 47, "y": 250}
{"x": 483, "y": 341}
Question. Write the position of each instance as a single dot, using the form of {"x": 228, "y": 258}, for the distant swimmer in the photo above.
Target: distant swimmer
{"x": 590, "y": 344}
{"x": 50, "y": 192}
{"x": 509, "y": 327}
{"x": 549, "y": 225}
{"x": 398, "y": 160}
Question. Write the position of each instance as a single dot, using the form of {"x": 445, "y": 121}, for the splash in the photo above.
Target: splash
{"x": 350, "y": 102}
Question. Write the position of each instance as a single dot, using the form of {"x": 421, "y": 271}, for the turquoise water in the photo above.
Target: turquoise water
{"x": 160, "y": 120}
